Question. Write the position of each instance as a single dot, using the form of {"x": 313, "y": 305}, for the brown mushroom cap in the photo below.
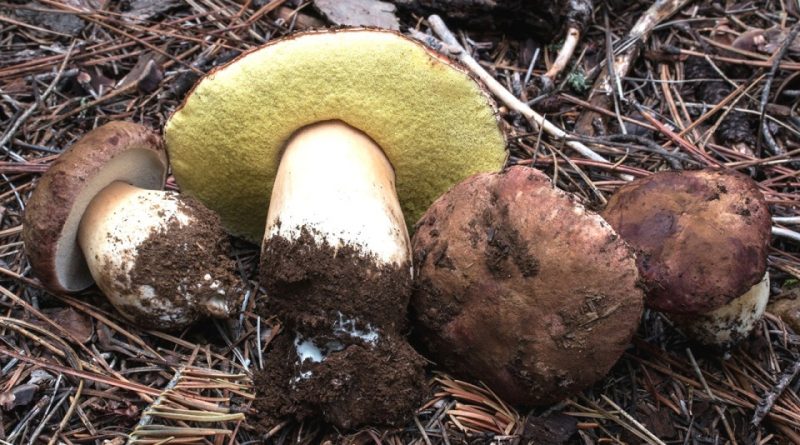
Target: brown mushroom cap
{"x": 117, "y": 151}
{"x": 522, "y": 288}
{"x": 702, "y": 236}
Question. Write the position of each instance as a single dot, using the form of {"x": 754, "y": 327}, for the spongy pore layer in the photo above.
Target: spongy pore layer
{"x": 434, "y": 122}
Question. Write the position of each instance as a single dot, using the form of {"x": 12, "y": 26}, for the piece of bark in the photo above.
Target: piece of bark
{"x": 18, "y": 396}
{"x": 555, "y": 429}
{"x": 542, "y": 19}
{"x": 50, "y": 18}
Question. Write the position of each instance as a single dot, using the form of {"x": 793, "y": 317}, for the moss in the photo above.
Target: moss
{"x": 434, "y": 122}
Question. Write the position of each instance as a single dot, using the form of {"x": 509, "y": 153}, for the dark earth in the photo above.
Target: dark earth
{"x": 323, "y": 295}
{"x": 180, "y": 257}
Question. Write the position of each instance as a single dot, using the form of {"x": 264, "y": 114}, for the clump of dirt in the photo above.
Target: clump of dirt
{"x": 342, "y": 355}
{"x": 362, "y": 384}
{"x": 504, "y": 242}
{"x": 312, "y": 282}
{"x": 187, "y": 265}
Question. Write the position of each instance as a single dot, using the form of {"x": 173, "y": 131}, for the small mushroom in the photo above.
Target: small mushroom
{"x": 702, "y": 239}
{"x": 346, "y": 136}
{"x": 99, "y": 215}
{"x": 521, "y": 287}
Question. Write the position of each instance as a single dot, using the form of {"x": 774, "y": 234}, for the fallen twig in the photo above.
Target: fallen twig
{"x": 768, "y": 400}
{"x": 763, "y": 127}
{"x": 450, "y": 45}
{"x": 563, "y": 58}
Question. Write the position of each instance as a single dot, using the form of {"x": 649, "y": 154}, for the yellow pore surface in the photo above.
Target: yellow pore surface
{"x": 432, "y": 120}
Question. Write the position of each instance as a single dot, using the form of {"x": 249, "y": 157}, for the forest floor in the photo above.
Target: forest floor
{"x": 698, "y": 93}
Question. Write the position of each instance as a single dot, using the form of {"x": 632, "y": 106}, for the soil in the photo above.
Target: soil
{"x": 182, "y": 257}
{"x": 354, "y": 310}
{"x": 312, "y": 283}
{"x": 356, "y": 386}
{"x": 542, "y": 19}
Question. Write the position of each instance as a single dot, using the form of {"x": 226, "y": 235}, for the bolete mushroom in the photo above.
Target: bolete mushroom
{"x": 702, "y": 239}
{"x": 521, "y": 287}
{"x": 434, "y": 123}
{"x": 99, "y": 215}
{"x": 333, "y": 141}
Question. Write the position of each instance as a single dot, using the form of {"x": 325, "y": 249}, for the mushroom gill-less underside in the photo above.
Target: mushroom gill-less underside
{"x": 433, "y": 122}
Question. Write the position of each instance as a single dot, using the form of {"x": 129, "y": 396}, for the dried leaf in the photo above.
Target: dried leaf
{"x": 77, "y": 323}
{"x": 766, "y": 41}
{"x": 659, "y": 422}
{"x": 38, "y": 14}
{"x": 788, "y": 309}
{"x": 146, "y": 74}
{"x": 555, "y": 429}
{"x": 19, "y": 396}
{"x": 359, "y": 13}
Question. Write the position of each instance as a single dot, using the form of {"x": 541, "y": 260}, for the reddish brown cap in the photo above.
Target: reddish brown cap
{"x": 522, "y": 288}
{"x": 117, "y": 151}
{"x": 701, "y": 236}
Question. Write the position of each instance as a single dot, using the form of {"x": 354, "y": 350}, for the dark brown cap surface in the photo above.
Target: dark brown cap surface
{"x": 117, "y": 151}
{"x": 701, "y": 236}
{"x": 520, "y": 287}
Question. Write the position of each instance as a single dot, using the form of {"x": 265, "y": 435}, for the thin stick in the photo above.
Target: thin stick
{"x": 768, "y": 400}
{"x": 563, "y": 58}
{"x": 786, "y": 219}
{"x": 710, "y": 393}
{"x": 786, "y": 233}
{"x": 146, "y": 419}
{"x": 9, "y": 134}
{"x": 763, "y": 129}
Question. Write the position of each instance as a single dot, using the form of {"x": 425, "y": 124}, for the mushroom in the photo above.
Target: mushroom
{"x": 346, "y": 137}
{"x": 99, "y": 215}
{"x": 702, "y": 239}
{"x": 436, "y": 125}
{"x": 521, "y": 287}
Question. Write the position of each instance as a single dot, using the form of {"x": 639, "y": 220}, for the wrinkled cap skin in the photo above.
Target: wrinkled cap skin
{"x": 433, "y": 121}
{"x": 522, "y": 288}
{"x": 701, "y": 236}
{"x": 117, "y": 151}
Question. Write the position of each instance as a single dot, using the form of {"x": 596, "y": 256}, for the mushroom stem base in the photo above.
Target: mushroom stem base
{"x": 343, "y": 354}
{"x": 728, "y": 325}
{"x": 159, "y": 259}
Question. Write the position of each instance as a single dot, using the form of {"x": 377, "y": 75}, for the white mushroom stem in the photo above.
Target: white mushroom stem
{"x": 725, "y": 326}
{"x": 116, "y": 223}
{"x": 336, "y": 182}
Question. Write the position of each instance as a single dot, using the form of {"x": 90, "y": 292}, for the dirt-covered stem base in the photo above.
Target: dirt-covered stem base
{"x": 342, "y": 354}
